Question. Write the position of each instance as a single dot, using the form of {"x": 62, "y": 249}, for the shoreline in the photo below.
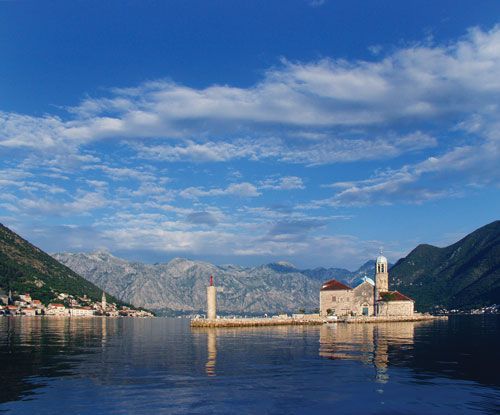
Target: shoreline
{"x": 261, "y": 322}
{"x": 389, "y": 319}
{"x": 67, "y": 316}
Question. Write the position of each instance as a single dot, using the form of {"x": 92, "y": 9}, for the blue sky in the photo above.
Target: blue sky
{"x": 247, "y": 132}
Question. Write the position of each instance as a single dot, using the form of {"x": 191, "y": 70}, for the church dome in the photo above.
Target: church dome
{"x": 381, "y": 259}
{"x": 367, "y": 279}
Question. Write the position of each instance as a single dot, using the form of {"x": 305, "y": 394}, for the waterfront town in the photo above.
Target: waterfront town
{"x": 369, "y": 301}
{"x": 66, "y": 305}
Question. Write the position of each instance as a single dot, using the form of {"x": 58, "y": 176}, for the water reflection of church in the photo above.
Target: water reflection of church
{"x": 367, "y": 343}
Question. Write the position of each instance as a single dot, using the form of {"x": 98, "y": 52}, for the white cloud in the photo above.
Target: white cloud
{"x": 82, "y": 202}
{"x": 442, "y": 176}
{"x": 419, "y": 97}
{"x": 321, "y": 151}
{"x": 413, "y": 83}
{"x": 210, "y": 151}
{"x": 17, "y": 130}
{"x": 124, "y": 173}
{"x": 243, "y": 189}
{"x": 283, "y": 183}
{"x": 349, "y": 150}
{"x": 128, "y": 232}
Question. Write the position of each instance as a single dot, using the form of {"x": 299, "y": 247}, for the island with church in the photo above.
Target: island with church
{"x": 369, "y": 302}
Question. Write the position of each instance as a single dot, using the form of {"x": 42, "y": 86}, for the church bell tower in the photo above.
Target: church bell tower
{"x": 381, "y": 276}
{"x": 103, "y": 302}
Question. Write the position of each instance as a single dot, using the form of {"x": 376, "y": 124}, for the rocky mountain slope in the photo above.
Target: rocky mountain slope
{"x": 463, "y": 275}
{"x": 180, "y": 285}
{"x": 26, "y": 268}
{"x": 351, "y": 278}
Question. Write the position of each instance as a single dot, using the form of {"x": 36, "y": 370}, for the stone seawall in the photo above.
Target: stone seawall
{"x": 388, "y": 319}
{"x": 260, "y": 322}
{"x": 254, "y": 322}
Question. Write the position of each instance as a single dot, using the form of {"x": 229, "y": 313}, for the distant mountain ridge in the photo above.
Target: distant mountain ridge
{"x": 351, "y": 278}
{"x": 24, "y": 268}
{"x": 180, "y": 284}
{"x": 465, "y": 274}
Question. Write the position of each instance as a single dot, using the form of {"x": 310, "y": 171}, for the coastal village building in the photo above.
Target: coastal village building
{"x": 37, "y": 304}
{"x": 12, "y": 310}
{"x": 29, "y": 311}
{"x": 25, "y": 305}
{"x": 56, "y": 309}
{"x": 370, "y": 298}
{"x": 25, "y": 297}
{"x": 81, "y": 311}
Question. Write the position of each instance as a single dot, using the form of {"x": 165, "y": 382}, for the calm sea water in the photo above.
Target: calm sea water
{"x": 156, "y": 366}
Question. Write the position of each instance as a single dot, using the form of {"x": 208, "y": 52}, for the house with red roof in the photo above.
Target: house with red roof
{"x": 12, "y": 309}
{"x": 56, "y": 309}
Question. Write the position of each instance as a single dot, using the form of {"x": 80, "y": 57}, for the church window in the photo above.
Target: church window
{"x": 334, "y": 299}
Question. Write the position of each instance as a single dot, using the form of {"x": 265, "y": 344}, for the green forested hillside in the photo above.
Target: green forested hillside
{"x": 26, "y": 268}
{"x": 463, "y": 275}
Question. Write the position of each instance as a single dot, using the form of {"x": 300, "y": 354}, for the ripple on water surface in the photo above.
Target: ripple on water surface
{"x": 99, "y": 365}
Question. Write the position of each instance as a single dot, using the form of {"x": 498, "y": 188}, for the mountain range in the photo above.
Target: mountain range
{"x": 180, "y": 285}
{"x": 463, "y": 275}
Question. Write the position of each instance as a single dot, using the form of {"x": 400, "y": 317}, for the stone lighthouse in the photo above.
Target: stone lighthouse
{"x": 211, "y": 300}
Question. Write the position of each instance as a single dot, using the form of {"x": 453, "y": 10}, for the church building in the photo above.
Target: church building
{"x": 370, "y": 298}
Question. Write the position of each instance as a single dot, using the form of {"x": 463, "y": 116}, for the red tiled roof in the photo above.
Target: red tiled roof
{"x": 56, "y": 305}
{"x": 334, "y": 285}
{"x": 394, "y": 296}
